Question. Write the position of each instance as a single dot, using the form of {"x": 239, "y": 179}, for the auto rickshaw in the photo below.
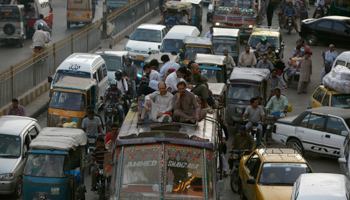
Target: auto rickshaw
{"x": 13, "y": 24}
{"x": 174, "y": 11}
{"x": 196, "y": 13}
{"x": 226, "y": 39}
{"x": 194, "y": 45}
{"x": 69, "y": 99}
{"x": 55, "y": 165}
{"x": 246, "y": 83}
{"x": 172, "y": 58}
{"x": 167, "y": 161}
{"x": 213, "y": 67}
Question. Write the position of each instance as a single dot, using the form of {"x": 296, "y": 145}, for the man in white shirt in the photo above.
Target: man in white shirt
{"x": 209, "y": 34}
{"x": 166, "y": 65}
{"x": 121, "y": 82}
{"x": 40, "y": 38}
{"x": 40, "y": 21}
{"x": 152, "y": 74}
{"x": 230, "y": 63}
{"x": 159, "y": 104}
{"x": 174, "y": 78}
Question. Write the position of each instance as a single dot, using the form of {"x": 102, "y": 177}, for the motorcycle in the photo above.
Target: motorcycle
{"x": 233, "y": 161}
{"x": 112, "y": 116}
{"x": 290, "y": 24}
{"x": 102, "y": 182}
{"x": 254, "y": 131}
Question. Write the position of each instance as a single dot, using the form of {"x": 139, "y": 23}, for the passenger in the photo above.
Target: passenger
{"x": 148, "y": 89}
{"x": 330, "y": 57}
{"x": 154, "y": 64}
{"x": 73, "y": 101}
{"x": 271, "y": 55}
{"x": 171, "y": 70}
{"x": 172, "y": 19}
{"x": 114, "y": 96}
{"x": 278, "y": 103}
{"x": 40, "y": 21}
{"x": 261, "y": 47}
{"x": 92, "y": 124}
{"x": 16, "y": 109}
{"x": 186, "y": 108}
{"x": 97, "y": 157}
{"x": 122, "y": 85}
{"x": 130, "y": 73}
{"x": 174, "y": 78}
{"x": 184, "y": 17}
{"x": 166, "y": 65}
{"x": 243, "y": 140}
{"x": 199, "y": 84}
{"x": 40, "y": 38}
{"x": 247, "y": 58}
{"x": 159, "y": 104}
{"x": 150, "y": 73}
{"x": 113, "y": 135}
{"x": 209, "y": 34}
{"x": 168, "y": 46}
{"x": 13, "y": 148}
{"x": 265, "y": 63}
{"x": 53, "y": 166}
{"x": 255, "y": 114}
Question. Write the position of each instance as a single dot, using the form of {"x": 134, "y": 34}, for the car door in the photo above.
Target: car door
{"x": 250, "y": 171}
{"x": 340, "y": 33}
{"x": 323, "y": 30}
{"x": 317, "y": 98}
{"x": 326, "y": 99}
{"x": 310, "y": 132}
{"x": 333, "y": 140}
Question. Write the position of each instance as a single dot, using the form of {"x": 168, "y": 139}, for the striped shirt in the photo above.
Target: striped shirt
{"x": 98, "y": 155}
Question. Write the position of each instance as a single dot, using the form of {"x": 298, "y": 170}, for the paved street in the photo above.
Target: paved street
{"x": 299, "y": 102}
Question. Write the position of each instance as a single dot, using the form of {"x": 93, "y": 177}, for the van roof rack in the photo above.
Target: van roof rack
{"x": 279, "y": 148}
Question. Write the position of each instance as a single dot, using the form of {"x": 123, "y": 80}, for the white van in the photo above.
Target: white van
{"x": 321, "y": 186}
{"x": 83, "y": 65}
{"x": 173, "y": 41}
{"x": 343, "y": 59}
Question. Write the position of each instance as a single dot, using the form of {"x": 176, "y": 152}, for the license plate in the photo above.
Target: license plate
{"x": 92, "y": 140}
{"x": 139, "y": 57}
{"x": 78, "y": 15}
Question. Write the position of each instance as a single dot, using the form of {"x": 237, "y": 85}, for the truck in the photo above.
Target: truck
{"x": 80, "y": 12}
{"x": 241, "y": 14}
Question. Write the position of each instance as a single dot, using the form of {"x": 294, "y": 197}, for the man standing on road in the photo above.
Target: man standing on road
{"x": 166, "y": 66}
{"x": 305, "y": 73}
{"x": 329, "y": 58}
{"x": 269, "y": 12}
{"x": 255, "y": 114}
{"x": 16, "y": 109}
{"x": 278, "y": 103}
{"x": 230, "y": 63}
{"x": 265, "y": 64}
{"x": 209, "y": 34}
{"x": 247, "y": 58}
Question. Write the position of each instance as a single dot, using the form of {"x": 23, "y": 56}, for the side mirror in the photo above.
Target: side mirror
{"x": 342, "y": 160}
{"x": 251, "y": 181}
{"x": 127, "y": 36}
{"x": 344, "y": 133}
{"x": 220, "y": 187}
{"x": 49, "y": 79}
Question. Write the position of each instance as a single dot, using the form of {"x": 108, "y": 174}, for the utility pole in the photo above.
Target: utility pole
{"x": 104, "y": 16}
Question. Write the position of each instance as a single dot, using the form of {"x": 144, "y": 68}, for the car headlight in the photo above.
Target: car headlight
{"x": 239, "y": 110}
{"x": 7, "y": 177}
{"x": 217, "y": 24}
{"x": 277, "y": 51}
{"x": 127, "y": 49}
{"x": 101, "y": 172}
{"x": 250, "y": 26}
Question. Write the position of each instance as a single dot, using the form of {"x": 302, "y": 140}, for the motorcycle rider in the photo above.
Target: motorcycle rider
{"x": 278, "y": 103}
{"x": 92, "y": 124}
{"x": 255, "y": 114}
{"x": 114, "y": 96}
{"x": 42, "y": 22}
{"x": 98, "y": 157}
{"x": 290, "y": 11}
{"x": 40, "y": 38}
{"x": 262, "y": 46}
{"x": 122, "y": 85}
{"x": 130, "y": 74}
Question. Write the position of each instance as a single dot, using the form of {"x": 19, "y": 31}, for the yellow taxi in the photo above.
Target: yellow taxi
{"x": 327, "y": 97}
{"x": 273, "y": 37}
{"x": 269, "y": 173}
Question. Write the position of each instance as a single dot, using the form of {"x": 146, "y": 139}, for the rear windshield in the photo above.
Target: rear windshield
{"x": 62, "y": 73}
{"x": 146, "y": 35}
{"x": 113, "y": 63}
{"x": 243, "y": 92}
{"x": 170, "y": 45}
{"x": 9, "y": 14}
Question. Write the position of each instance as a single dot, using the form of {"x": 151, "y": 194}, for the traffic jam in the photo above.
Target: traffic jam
{"x": 197, "y": 106}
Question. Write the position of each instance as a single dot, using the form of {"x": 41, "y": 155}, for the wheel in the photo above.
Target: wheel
{"x": 285, "y": 77}
{"x": 68, "y": 25}
{"x": 242, "y": 196}
{"x": 267, "y": 136}
{"x": 234, "y": 181}
{"x": 296, "y": 143}
{"x": 289, "y": 30}
{"x": 311, "y": 39}
{"x": 326, "y": 10}
{"x": 18, "y": 189}
{"x": 9, "y": 29}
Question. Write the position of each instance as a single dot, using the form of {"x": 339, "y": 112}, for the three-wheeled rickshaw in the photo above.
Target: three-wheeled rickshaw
{"x": 246, "y": 83}
{"x": 194, "y": 45}
{"x": 55, "y": 165}
{"x": 167, "y": 160}
{"x": 226, "y": 39}
{"x": 213, "y": 67}
{"x": 69, "y": 99}
{"x": 174, "y": 11}
{"x": 196, "y": 13}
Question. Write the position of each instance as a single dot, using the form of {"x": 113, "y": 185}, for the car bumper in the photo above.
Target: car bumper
{"x": 138, "y": 56}
{"x": 7, "y": 187}
{"x": 279, "y": 138}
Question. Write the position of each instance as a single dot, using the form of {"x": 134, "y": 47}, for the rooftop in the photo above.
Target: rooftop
{"x": 280, "y": 155}
{"x": 13, "y": 125}
{"x": 152, "y": 26}
{"x": 229, "y": 32}
{"x": 210, "y": 59}
{"x": 69, "y": 82}
{"x": 246, "y": 74}
{"x": 326, "y": 110}
{"x": 201, "y": 41}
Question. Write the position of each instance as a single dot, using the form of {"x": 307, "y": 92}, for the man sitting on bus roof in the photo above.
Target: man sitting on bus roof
{"x": 159, "y": 104}
{"x": 186, "y": 108}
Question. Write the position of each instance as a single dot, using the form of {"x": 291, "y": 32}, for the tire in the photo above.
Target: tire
{"x": 18, "y": 189}
{"x": 234, "y": 181}
{"x": 68, "y": 25}
{"x": 9, "y": 29}
{"x": 289, "y": 30}
{"x": 326, "y": 10}
{"x": 267, "y": 136}
{"x": 311, "y": 39}
{"x": 296, "y": 143}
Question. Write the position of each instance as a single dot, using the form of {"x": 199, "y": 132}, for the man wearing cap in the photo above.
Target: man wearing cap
{"x": 243, "y": 140}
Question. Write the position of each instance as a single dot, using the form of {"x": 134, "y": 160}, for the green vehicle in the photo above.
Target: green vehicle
{"x": 340, "y": 8}
{"x": 196, "y": 13}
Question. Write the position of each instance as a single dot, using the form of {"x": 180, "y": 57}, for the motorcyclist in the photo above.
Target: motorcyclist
{"x": 40, "y": 38}
{"x": 114, "y": 96}
{"x": 255, "y": 114}
{"x": 42, "y": 22}
{"x": 261, "y": 47}
{"x": 97, "y": 157}
{"x": 123, "y": 87}
{"x": 130, "y": 74}
{"x": 278, "y": 104}
{"x": 290, "y": 11}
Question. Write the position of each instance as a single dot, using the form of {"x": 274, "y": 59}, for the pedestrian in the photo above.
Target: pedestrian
{"x": 16, "y": 109}
{"x": 161, "y": 2}
{"x": 247, "y": 58}
{"x": 306, "y": 48}
{"x": 329, "y": 58}
{"x": 209, "y": 34}
{"x": 305, "y": 72}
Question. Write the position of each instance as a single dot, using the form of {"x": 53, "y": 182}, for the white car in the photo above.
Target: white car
{"x": 320, "y": 130}
{"x": 146, "y": 38}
